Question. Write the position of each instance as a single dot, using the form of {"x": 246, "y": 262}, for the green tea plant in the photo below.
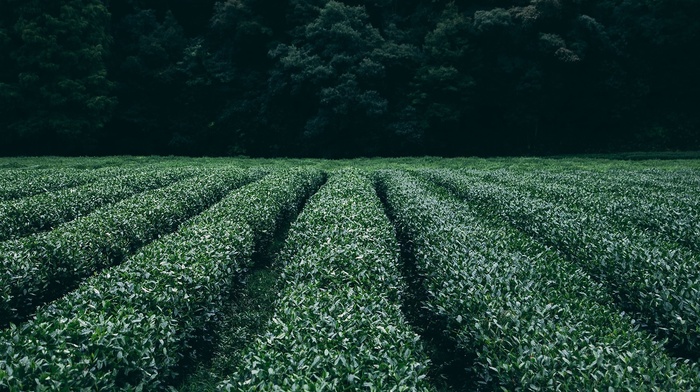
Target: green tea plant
{"x": 669, "y": 212}
{"x": 39, "y": 268}
{"x": 532, "y": 320}
{"x": 520, "y": 274}
{"x": 660, "y": 283}
{"x": 130, "y": 326}
{"x": 339, "y": 326}
{"x": 42, "y": 212}
{"x": 16, "y": 183}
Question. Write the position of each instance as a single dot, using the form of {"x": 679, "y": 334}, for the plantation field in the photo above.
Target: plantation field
{"x": 147, "y": 273}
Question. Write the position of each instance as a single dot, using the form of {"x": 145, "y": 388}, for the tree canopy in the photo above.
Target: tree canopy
{"x": 343, "y": 78}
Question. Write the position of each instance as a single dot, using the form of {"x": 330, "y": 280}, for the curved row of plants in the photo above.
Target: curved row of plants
{"x": 15, "y": 184}
{"x": 678, "y": 179}
{"x": 131, "y": 326}
{"x": 672, "y": 215}
{"x": 44, "y": 266}
{"x": 339, "y": 326}
{"x": 657, "y": 281}
{"x": 532, "y": 320}
{"x": 43, "y": 212}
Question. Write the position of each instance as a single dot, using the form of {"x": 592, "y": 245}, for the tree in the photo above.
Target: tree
{"x": 333, "y": 73}
{"x": 54, "y": 92}
{"x": 347, "y": 77}
{"x": 237, "y": 63}
{"x": 444, "y": 86}
{"x": 656, "y": 40}
{"x": 143, "y": 65}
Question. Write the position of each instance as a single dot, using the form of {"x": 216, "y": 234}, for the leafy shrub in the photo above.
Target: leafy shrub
{"x": 532, "y": 320}
{"x": 130, "y": 326}
{"x": 657, "y": 281}
{"x": 47, "y": 210}
{"x": 39, "y": 268}
{"x": 15, "y": 184}
{"x": 339, "y": 325}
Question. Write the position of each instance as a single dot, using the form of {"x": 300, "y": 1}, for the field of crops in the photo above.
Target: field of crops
{"x": 368, "y": 275}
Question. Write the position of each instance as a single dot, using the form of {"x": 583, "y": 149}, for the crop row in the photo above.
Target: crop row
{"x": 614, "y": 183}
{"x": 531, "y": 320}
{"x": 131, "y": 326}
{"x": 659, "y": 282}
{"x": 41, "y": 267}
{"x": 338, "y": 324}
{"x": 15, "y": 184}
{"x": 674, "y": 180}
{"x": 673, "y": 216}
{"x": 46, "y": 210}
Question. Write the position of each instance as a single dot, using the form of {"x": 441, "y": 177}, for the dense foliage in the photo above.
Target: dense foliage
{"x": 159, "y": 301}
{"x": 336, "y": 78}
{"x": 403, "y": 275}
{"x": 656, "y": 279}
{"x": 47, "y": 210}
{"x": 39, "y": 268}
{"x": 16, "y": 185}
{"x": 532, "y": 320}
{"x": 339, "y": 326}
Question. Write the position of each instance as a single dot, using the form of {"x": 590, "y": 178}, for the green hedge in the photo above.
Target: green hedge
{"x": 532, "y": 320}
{"x": 658, "y": 281}
{"x": 338, "y": 324}
{"x": 288, "y": 189}
{"x": 662, "y": 205}
{"x": 47, "y": 210}
{"x": 17, "y": 183}
{"x": 130, "y": 326}
{"x": 41, "y": 267}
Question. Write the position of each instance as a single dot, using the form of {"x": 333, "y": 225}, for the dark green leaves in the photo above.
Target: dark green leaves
{"x": 44, "y": 266}
{"x": 338, "y": 325}
{"x": 129, "y": 327}
{"x": 529, "y": 317}
{"x": 54, "y": 67}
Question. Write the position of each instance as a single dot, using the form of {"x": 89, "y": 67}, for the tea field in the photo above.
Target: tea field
{"x": 183, "y": 274}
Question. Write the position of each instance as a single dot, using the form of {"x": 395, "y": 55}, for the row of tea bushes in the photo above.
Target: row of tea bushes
{"x": 677, "y": 180}
{"x": 15, "y": 183}
{"x": 288, "y": 191}
{"x": 338, "y": 324}
{"x": 44, "y": 211}
{"x": 41, "y": 267}
{"x": 532, "y": 320}
{"x": 659, "y": 282}
{"x": 131, "y": 326}
{"x": 672, "y": 215}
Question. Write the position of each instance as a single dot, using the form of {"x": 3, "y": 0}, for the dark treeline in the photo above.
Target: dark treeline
{"x": 345, "y": 78}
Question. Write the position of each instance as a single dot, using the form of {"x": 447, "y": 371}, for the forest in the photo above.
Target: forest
{"x": 348, "y": 78}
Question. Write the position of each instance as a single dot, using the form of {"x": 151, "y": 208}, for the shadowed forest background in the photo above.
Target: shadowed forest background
{"x": 333, "y": 78}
